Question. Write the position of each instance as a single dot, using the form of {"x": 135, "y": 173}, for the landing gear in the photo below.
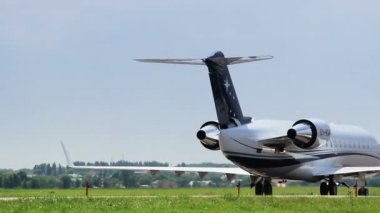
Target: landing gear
{"x": 324, "y": 189}
{"x": 333, "y": 189}
{"x": 259, "y": 188}
{"x": 363, "y": 191}
{"x": 267, "y": 187}
{"x": 264, "y": 187}
{"x": 361, "y": 184}
{"x": 330, "y": 188}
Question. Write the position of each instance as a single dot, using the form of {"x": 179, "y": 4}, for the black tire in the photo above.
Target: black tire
{"x": 333, "y": 189}
{"x": 259, "y": 188}
{"x": 323, "y": 189}
{"x": 366, "y": 192}
{"x": 268, "y": 187}
{"x": 361, "y": 192}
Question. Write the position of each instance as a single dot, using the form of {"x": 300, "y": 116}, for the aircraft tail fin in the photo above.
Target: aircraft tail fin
{"x": 225, "y": 98}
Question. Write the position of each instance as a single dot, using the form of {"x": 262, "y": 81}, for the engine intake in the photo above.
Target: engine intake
{"x": 208, "y": 135}
{"x": 307, "y": 134}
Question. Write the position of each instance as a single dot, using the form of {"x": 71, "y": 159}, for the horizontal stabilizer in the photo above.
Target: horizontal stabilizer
{"x": 173, "y": 61}
{"x": 221, "y": 60}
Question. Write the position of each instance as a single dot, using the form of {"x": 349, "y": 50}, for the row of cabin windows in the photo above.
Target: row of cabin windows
{"x": 348, "y": 145}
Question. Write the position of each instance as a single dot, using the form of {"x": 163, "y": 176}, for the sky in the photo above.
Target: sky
{"x": 67, "y": 73}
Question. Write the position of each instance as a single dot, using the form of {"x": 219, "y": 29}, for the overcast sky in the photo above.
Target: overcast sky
{"x": 67, "y": 74}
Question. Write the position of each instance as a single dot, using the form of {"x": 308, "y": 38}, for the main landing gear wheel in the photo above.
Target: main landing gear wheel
{"x": 324, "y": 189}
{"x": 259, "y": 188}
{"x": 329, "y": 188}
{"x": 267, "y": 187}
{"x": 264, "y": 188}
{"x": 333, "y": 189}
{"x": 363, "y": 191}
{"x": 361, "y": 185}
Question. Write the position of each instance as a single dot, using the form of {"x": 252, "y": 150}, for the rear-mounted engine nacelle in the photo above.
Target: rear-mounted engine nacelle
{"x": 209, "y": 135}
{"x": 309, "y": 133}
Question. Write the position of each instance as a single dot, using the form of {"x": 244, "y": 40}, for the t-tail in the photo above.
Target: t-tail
{"x": 226, "y": 101}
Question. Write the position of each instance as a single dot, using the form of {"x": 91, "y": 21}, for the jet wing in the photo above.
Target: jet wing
{"x": 344, "y": 170}
{"x": 202, "y": 171}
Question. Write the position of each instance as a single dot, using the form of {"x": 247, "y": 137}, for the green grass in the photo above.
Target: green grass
{"x": 181, "y": 200}
{"x": 188, "y": 204}
{"x": 115, "y": 192}
{"x": 167, "y": 192}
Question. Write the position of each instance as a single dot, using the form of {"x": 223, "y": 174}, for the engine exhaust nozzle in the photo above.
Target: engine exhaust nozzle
{"x": 201, "y": 135}
{"x": 292, "y": 133}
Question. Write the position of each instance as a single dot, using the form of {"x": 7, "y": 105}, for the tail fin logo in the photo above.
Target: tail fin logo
{"x": 226, "y": 84}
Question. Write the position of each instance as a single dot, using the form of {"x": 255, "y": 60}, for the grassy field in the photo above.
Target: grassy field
{"x": 183, "y": 200}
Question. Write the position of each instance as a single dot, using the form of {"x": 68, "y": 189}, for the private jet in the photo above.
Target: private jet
{"x": 307, "y": 149}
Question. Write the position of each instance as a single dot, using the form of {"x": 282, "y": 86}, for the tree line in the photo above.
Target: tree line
{"x": 54, "y": 175}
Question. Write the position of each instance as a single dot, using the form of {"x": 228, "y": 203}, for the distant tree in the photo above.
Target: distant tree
{"x": 79, "y": 163}
{"x": 16, "y": 180}
{"x": 48, "y": 170}
{"x": 183, "y": 180}
{"x": 54, "y": 169}
{"x": 77, "y": 183}
{"x": 101, "y": 163}
{"x": 217, "y": 180}
{"x": 22, "y": 175}
{"x": 50, "y": 182}
{"x": 96, "y": 181}
{"x": 44, "y": 182}
{"x": 7, "y": 182}
{"x": 129, "y": 179}
{"x": 24, "y": 185}
{"x": 60, "y": 170}
{"x": 35, "y": 183}
{"x": 40, "y": 169}
{"x": 66, "y": 181}
{"x": 36, "y": 169}
{"x": 144, "y": 179}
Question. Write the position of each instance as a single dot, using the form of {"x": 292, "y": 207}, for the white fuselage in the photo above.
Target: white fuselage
{"x": 347, "y": 146}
